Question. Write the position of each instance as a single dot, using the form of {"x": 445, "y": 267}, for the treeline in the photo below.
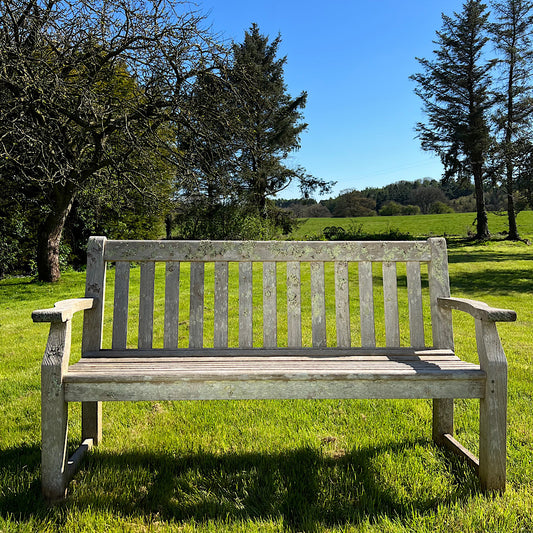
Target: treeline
{"x": 131, "y": 120}
{"x": 427, "y": 196}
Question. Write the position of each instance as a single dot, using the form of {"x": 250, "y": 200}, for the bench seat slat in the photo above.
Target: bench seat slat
{"x": 271, "y": 352}
{"x": 456, "y": 383}
{"x": 276, "y": 367}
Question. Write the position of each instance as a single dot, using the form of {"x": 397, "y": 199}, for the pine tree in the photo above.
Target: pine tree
{"x": 454, "y": 88}
{"x": 270, "y": 120}
{"x": 512, "y": 35}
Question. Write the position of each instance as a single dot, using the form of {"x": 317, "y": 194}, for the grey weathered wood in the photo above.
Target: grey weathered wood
{"x": 91, "y": 422}
{"x": 478, "y": 309}
{"x": 439, "y": 287}
{"x": 394, "y": 387}
{"x": 93, "y": 323}
{"x": 54, "y": 412}
{"x": 269, "y": 372}
{"x": 261, "y": 251}
{"x": 120, "y": 307}
{"x": 294, "y": 313}
{"x": 221, "y": 305}
{"x": 146, "y": 305}
{"x": 172, "y": 298}
{"x": 196, "y": 311}
{"x": 390, "y": 298}
{"x": 372, "y": 352}
{"x": 492, "y": 408}
{"x": 318, "y": 305}
{"x": 443, "y": 409}
{"x": 245, "y": 304}
{"x": 76, "y": 458}
{"x": 63, "y": 310}
{"x": 342, "y": 305}
{"x": 457, "y": 448}
{"x": 414, "y": 294}
{"x": 95, "y": 276}
{"x": 366, "y": 304}
{"x": 270, "y": 309}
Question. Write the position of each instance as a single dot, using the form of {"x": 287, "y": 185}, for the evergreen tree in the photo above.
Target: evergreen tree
{"x": 512, "y": 35}
{"x": 454, "y": 88}
{"x": 269, "y": 121}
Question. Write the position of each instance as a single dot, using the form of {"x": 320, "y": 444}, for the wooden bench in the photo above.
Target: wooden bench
{"x": 372, "y": 356}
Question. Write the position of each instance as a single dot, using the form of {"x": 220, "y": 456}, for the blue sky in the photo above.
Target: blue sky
{"x": 354, "y": 58}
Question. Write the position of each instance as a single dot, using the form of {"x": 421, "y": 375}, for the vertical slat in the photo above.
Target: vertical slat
{"x": 270, "y": 313}
{"x": 93, "y": 319}
{"x": 245, "y": 305}
{"x": 294, "y": 315}
{"x": 318, "y": 304}
{"x": 172, "y": 294}
{"x": 120, "y": 306}
{"x": 342, "y": 305}
{"x": 146, "y": 305}
{"x": 93, "y": 322}
{"x": 439, "y": 286}
{"x": 390, "y": 298}
{"x": 221, "y": 305}
{"x": 414, "y": 293}
{"x": 196, "y": 312}
{"x": 366, "y": 305}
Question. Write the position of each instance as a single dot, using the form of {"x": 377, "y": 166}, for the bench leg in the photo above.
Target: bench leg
{"x": 442, "y": 419}
{"x": 492, "y": 409}
{"x": 91, "y": 421}
{"x": 54, "y": 459}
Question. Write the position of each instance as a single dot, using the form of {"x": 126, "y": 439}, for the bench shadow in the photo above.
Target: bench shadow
{"x": 306, "y": 488}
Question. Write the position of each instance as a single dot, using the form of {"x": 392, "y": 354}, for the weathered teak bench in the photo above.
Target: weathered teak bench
{"x": 386, "y": 363}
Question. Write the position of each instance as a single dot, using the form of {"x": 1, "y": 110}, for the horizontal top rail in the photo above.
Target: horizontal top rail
{"x": 238, "y": 251}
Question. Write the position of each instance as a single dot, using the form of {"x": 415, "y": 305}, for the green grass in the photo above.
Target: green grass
{"x": 358, "y": 466}
{"x": 453, "y": 224}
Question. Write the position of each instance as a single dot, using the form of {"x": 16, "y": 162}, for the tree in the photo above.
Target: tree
{"x": 512, "y": 36}
{"x": 269, "y": 119}
{"x": 89, "y": 92}
{"x": 454, "y": 88}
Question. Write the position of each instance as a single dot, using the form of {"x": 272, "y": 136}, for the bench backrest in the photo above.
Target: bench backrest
{"x": 283, "y": 270}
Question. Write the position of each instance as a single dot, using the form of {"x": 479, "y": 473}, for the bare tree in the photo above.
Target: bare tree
{"x": 92, "y": 90}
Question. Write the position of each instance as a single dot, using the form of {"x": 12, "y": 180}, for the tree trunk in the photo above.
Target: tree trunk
{"x": 511, "y": 212}
{"x": 482, "y": 232}
{"x": 50, "y": 231}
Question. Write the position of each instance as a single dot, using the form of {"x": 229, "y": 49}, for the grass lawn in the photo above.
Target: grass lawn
{"x": 343, "y": 466}
{"x": 452, "y": 224}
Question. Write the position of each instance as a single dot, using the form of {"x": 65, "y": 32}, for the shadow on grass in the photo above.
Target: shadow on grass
{"x": 494, "y": 280}
{"x": 304, "y": 488}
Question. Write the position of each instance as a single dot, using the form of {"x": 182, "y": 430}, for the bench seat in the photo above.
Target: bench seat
{"x": 275, "y": 374}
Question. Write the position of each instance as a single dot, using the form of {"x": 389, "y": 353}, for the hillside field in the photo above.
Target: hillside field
{"x": 452, "y": 225}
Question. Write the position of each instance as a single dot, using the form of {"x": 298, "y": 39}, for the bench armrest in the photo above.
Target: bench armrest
{"x": 478, "y": 310}
{"x": 63, "y": 310}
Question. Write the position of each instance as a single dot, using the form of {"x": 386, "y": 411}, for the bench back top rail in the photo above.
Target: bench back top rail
{"x": 194, "y": 259}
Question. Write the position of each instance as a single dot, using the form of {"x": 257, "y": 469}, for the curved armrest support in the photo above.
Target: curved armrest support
{"x": 63, "y": 310}
{"x": 478, "y": 310}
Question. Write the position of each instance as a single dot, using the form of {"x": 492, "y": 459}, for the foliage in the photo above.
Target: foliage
{"x": 454, "y": 88}
{"x": 270, "y": 121}
{"x": 513, "y": 119}
{"x": 88, "y": 93}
